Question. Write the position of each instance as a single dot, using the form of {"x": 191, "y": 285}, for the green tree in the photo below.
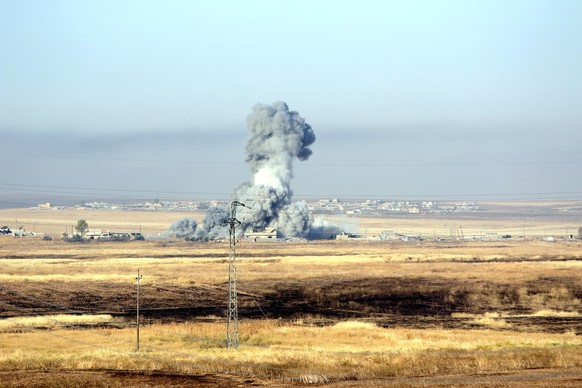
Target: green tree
{"x": 82, "y": 227}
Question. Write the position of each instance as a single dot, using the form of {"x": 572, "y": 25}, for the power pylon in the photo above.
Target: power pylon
{"x": 232, "y": 313}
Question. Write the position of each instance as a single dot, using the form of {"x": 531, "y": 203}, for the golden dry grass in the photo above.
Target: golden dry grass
{"x": 182, "y": 262}
{"x": 443, "y": 228}
{"x": 153, "y": 222}
{"x": 272, "y": 349}
{"x": 52, "y": 321}
{"x": 475, "y": 277}
{"x": 555, "y": 313}
{"x": 63, "y": 221}
{"x": 533, "y": 276}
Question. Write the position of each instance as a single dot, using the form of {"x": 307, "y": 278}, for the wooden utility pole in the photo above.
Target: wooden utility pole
{"x": 138, "y": 278}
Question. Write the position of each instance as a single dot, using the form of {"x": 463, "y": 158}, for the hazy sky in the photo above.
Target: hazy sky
{"x": 417, "y": 99}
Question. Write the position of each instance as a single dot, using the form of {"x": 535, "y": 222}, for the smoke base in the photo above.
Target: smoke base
{"x": 277, "y": 137}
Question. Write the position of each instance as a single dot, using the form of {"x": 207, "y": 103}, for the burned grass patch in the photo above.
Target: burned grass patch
{"x": 408, "y": 301}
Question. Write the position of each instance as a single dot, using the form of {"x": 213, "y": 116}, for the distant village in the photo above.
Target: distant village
{"x": 368, "y": 207}
{"x": 379, "y": 207}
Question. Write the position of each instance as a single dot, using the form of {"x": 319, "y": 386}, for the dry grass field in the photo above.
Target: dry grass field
{"x": 57, "y": 222}
{"x": 339, "y": 313}
{"x": 534, "y": 219}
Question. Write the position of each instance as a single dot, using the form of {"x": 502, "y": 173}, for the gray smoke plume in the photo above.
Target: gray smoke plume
{"x": 214, "y": 225}
{"x": 278, "y": 136}
{"x": 184, "y": 227}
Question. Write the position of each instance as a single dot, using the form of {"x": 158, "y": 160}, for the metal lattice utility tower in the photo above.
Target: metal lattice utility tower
{"x": 232, "y": 313}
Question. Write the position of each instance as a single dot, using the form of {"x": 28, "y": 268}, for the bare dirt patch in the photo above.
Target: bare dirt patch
{"x": 116, "y": 378}
{"x": 388, "y": 301}
{"x": 541, "y": 378}
{"x": 399, "y": 286}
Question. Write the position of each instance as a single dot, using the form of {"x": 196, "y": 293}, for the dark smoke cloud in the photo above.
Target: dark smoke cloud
{"x": 214, "y": 225}
{"x": 278, "y": 136}
{"x": 184, "y": 227}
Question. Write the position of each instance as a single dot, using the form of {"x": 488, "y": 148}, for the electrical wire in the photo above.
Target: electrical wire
{"x": 297, "y": 372}
{"x": 213, "y": 340}
{"x": 93, "y": 191}
{"x": 328, "y": 164}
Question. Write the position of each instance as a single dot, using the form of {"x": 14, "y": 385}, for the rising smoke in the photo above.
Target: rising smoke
{"x": 184, "y": 227}
{"x": 278, "y": 136}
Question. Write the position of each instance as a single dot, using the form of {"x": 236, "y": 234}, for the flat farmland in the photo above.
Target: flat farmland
{"x": 57, "y": 222}
{"x": 338, "y": 313}
{"x": 534, "y": 219}
{"x": 530, "y": 218}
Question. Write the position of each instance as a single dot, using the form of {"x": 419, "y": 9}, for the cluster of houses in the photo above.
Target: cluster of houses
{"x": 20, "y": 232}
{"x": 99, "y": 234}
{"x": 371, "y": 207}
{"x": 155, "y": 205}
{"x": 367, "y": 207}
{"x": 91, "y": 234}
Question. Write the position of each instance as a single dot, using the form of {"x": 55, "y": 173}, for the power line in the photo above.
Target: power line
{"x": 102, "y": 191}
{"x": 210, "y": 339}
{"x": 16, "y": 187}
{"x": 296, "y": 371}
{"x": 138, "y": 278}
{"x": 328, "y": 164}
{"x": 460, "y": 164}
{"x": 118, "y": 159}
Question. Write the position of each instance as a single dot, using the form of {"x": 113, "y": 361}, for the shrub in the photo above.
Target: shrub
{"x": 75, "y": 238}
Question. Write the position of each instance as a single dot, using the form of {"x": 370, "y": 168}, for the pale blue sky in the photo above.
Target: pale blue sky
{"x": 381, "y": 82}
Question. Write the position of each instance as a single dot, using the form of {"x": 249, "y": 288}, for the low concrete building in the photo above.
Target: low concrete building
{"x": 265, "y": 235}
{"x": 96, "y": 234}
{"x": 347, "y": 236}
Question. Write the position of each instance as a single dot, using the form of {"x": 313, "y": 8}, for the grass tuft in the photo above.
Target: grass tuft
{"x": 556, "y": 313}
{"x": 52, "y": 321}
{"x": 354, "y": 325}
